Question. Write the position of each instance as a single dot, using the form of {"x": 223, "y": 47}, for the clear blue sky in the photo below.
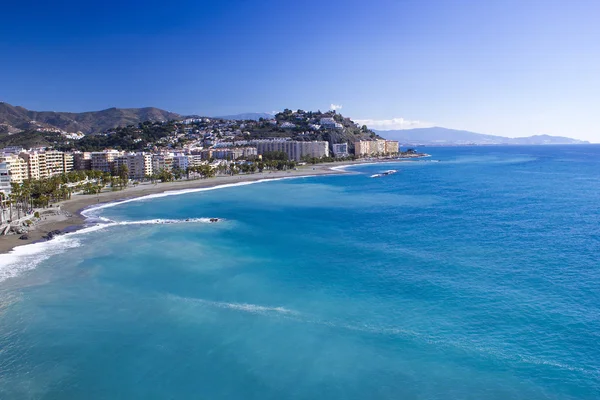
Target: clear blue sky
{"x": 505, "y": 67}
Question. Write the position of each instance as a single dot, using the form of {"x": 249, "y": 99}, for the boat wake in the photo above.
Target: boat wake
{"x": 244, "y": 307}
{"x": 494, "y": 353}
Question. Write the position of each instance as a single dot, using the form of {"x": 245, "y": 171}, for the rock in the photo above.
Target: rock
{"x": 24, "y": 237}
{"x": 52, "y": 234}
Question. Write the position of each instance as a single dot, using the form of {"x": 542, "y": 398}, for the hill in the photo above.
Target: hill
{"x": 18, "y": 119}
{"x": 452, "y": 137}
{"x": 307, "y": 125}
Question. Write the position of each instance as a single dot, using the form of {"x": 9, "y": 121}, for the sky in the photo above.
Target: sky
{"x": 505, "y": 67}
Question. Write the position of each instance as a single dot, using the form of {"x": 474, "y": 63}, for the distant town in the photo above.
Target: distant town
{"x": 192, "y": 148}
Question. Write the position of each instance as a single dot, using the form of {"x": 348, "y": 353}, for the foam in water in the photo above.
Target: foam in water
{"x": 27, "y": 257}
{"x": 91, "y": 211}
{"x": 24, "y": 258}
{"x": 245, "y": 307}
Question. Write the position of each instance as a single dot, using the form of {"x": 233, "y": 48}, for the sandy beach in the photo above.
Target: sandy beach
{"x": 72, "y": 218}
{"x": 77, "y": 203}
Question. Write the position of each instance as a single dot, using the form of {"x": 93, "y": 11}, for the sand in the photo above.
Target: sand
{"x": 77, "y": 203}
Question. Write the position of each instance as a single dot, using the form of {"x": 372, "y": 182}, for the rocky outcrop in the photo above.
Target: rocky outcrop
{"x": 51, "y": 234}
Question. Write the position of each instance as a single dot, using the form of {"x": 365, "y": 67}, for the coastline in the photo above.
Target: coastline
{"x": 78, "y": 203}
{"x": 74, "y": 207}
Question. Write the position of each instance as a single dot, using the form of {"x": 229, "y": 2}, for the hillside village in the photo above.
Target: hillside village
{"x": 58, "y": 163}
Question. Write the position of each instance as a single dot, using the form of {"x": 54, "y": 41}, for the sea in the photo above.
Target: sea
{"x": 470, "y": 274}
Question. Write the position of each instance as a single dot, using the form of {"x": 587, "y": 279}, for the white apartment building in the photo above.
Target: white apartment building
{"x": 234, "y": 153}
{"x": 340, "y": 149}
{"x": 17, "y": 167}
{"x": 181, "y": 161}
{"x": 140, "y": 165}
{"x": 36, "y": 164}
{"x": 330, "y": 123}
{"x": 4, "y": 179}
{"x": 162, "y": 162}
{"x": 55, "y": 163}
{"x": 296, "y": 150}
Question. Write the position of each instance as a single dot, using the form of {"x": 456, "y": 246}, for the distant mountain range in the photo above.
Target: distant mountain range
{"x": 247, "y": 116}
{"x": 451, "y": 137}
{"x": 15, "y": 119}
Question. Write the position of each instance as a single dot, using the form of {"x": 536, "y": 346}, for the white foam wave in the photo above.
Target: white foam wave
{"x": 24, "y": 258}
{"x": 91, "y": 211}
{"x": 245, "y": 307}
{"x": 28, "y": 256}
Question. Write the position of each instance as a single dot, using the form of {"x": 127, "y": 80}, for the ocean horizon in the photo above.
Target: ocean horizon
{"x": 473, "y": 273}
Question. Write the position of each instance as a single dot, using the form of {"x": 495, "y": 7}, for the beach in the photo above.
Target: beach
{"x": 71, "y": 216}
{"x": 332, "y": 286}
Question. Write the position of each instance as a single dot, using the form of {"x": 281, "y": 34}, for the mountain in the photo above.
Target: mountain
{"x": 15, "y": 119}
{"x": 247, "y": 116}
{"x": 444, "y": 136}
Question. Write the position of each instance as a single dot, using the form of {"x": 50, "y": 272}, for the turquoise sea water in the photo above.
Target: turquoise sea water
{"x": 474, "y": 277}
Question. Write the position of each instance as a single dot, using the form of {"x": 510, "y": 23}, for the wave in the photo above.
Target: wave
{"x": 27, "y": 257}
{"x": 496, "y": 353}
{"x": 90, "y": 211}
{"x": 245, "y": 307}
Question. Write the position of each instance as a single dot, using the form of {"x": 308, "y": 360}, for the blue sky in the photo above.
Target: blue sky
{"x": 513, "y": 68}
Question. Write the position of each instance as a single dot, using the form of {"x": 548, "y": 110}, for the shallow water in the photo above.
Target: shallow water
{"x": 473, "y": 277}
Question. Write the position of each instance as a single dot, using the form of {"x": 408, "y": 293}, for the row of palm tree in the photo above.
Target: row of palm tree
{"x": 37, "y": 193}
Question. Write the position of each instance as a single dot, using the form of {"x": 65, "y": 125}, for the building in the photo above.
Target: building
{"x": 362, "y": 148}
{"x": 16, "y": 167}
{"x": 375, "y": 147}
{"x": 287, "y": 125}
{"x": 181, "y": 161}
{"x": 36, "y": 164}
{"x": 68, "y": 162}
{"x": 104, "y": 160}
{"x": 57, "y": 163}
{"x": 392, "y": 147}
{"x": 330, "y": 123}
{"x": 4, "y": 178}
{"x": 295, "y": 150}
{"x": 340, "y": 150}
{"x": 162, "y": 162}
{"x": 13, "y": 150}
{"x": 235, "y": 153}
{"x": 139, "y": 165}
{"x": 82, "y": 161}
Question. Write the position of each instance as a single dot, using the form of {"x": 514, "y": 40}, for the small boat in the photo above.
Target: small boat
{"x": 384, "y": 173}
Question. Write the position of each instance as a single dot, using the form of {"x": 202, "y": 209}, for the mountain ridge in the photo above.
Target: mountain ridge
{"x": 445, "y": 136}
{"x": 16, "y": 118}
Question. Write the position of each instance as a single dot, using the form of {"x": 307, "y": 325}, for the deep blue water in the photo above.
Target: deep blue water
{"x": 474, "y": 277}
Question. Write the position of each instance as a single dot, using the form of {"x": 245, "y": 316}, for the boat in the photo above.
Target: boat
{"x": 384, "y": 173}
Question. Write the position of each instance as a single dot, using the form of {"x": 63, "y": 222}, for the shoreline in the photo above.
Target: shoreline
{"x": 79, "y": 203}
{"x": 75, "y": 206}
